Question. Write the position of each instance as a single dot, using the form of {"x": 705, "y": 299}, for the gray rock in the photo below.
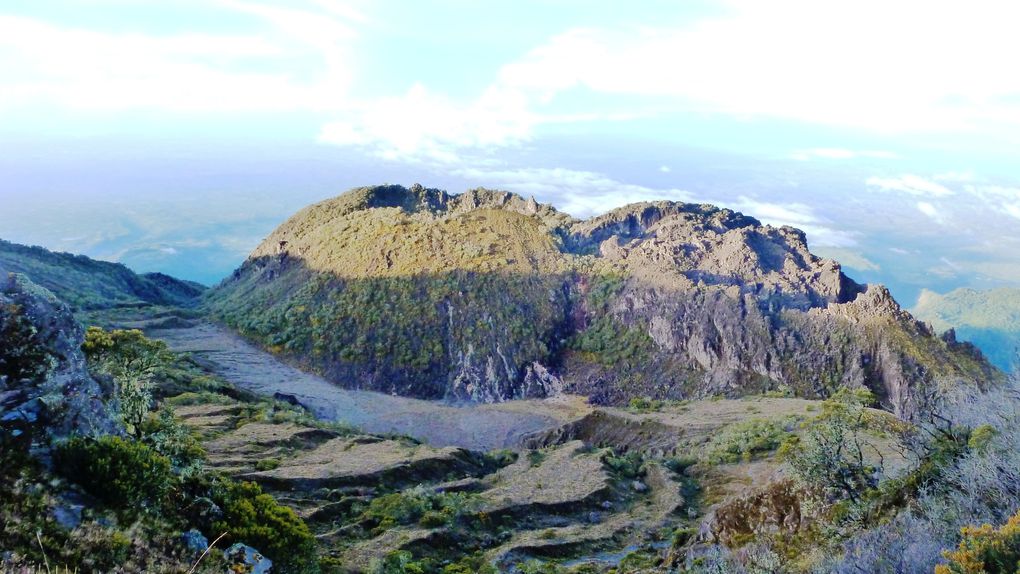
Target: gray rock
{"x": 594, "y": 517}
{"x": 244, "y": 558}
{"x": 206, "y": 509}
{"x": 195, "y": 541}
{"x": 66, "y": 399}
{"x": 68, "y": 516}
{"x": 639, "y": 486}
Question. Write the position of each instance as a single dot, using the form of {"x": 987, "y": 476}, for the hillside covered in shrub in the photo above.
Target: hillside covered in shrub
{"x": 88, "y": 284}
{"x": 486, "y": 296}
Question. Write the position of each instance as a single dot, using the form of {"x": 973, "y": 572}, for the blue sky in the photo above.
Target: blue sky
{"x": 174, "y": 135}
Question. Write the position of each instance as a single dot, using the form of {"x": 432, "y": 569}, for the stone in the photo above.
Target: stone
{"x": 67, "y": 515}
{"x": 639, "y": 486}
{"x": 245, "y": 559}
{"x": 195, "y": 541}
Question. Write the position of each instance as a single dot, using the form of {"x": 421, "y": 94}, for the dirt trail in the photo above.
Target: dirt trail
{"x": 479, "y": 427}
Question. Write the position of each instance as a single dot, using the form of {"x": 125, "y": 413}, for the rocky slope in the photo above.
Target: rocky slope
{"x": 46, "y": 390}
{"x": 486, "y": 296}
{"x": 989, "y": 319}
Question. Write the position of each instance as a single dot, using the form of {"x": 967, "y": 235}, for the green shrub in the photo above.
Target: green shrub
{"x": 679, "y": 464}
{"x": 471, "y": 564}
{"x": 267, "y": 464}
{"x": 628, "y": 466}
{"x": 125, "y": 474}
{"x": 22, "y": 354}
{"x": 746, "y": 440}
{"x": 829, "y": 458}
{"x": 980, "y": 437}
{"x": 496, "y": 459}
{"x": 199, "y": 398}
{"x": 536, "y": 457}
{"x": 255, "y": 518}
{"x": 429, "y": 509}
{"x": 134, "y": 362}
{"x": 645, "y": 404}
{"x": 433, "y": 519}
{"x": 611, "y": 343}
{"x": 985, "y": 550}
{"x": 172, "y": 439}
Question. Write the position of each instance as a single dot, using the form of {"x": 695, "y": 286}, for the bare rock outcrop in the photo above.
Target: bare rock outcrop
{"x": 53, "y": 394}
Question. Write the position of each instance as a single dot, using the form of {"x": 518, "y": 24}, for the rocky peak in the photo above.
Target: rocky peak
{"x": 487, "y": 295}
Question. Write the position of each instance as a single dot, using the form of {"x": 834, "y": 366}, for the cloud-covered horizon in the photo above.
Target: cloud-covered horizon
{"x": 890, "y": 139}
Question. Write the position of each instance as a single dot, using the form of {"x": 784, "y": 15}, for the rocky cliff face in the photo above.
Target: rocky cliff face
{"x": 45, "y": 388}
{"x": 486, "y": 296}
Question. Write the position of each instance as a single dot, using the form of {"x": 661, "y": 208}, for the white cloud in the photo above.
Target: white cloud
{"x": 931, "y": 211}
{"x": 840, "y": 153}
{"x": 79, "y": 68}
{"x": 803, "y": 217}
{"x": 754, "y": 60}
{"x": 665, "y": 169}
{"x": 425, "y": 125}
{"x": 910, "y": 184}
{"x": 1012, "y": 209}
{"x": 804, "y": 60}
{"x": 579, "y": 193}
{"x": 848, "y": 258}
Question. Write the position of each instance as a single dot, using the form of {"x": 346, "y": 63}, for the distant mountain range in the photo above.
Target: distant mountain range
{"x": 989, "y": 319}
{"x": 87, "y": 284}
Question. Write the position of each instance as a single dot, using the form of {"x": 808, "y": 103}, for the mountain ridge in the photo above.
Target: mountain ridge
{"x": 988, "y": 318}
{"x": 88, "y": 284}
{"x": 486, "y": 296}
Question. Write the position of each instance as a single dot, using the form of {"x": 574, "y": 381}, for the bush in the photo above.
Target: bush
{"x": 267, "y": 464}
{"x": 255, "y": 518}
{"x": 22, "y": 354}
{"x": 645, "y": 404}
{"x": 496, "y": 459}
{"x": 985, "y": 550}
{"x": 125, "y": 474}
{"x": 428, "y": 509}
{"x": 628, "y": 466}
{"x": 746, "y": 440}
{"x": 170, "y": 438}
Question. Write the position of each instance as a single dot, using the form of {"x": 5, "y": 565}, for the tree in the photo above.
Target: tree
{"x": 133, "y": 361}
{"x": 830, "y": 456}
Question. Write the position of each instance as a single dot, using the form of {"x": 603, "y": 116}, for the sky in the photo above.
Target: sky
{"x": 174, "y": 136}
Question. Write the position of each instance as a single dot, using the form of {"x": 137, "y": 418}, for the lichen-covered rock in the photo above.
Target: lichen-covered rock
{"x": 773, "y": 509}
{"x": 244, "y": 559}
{"x": 57, "y": 397}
